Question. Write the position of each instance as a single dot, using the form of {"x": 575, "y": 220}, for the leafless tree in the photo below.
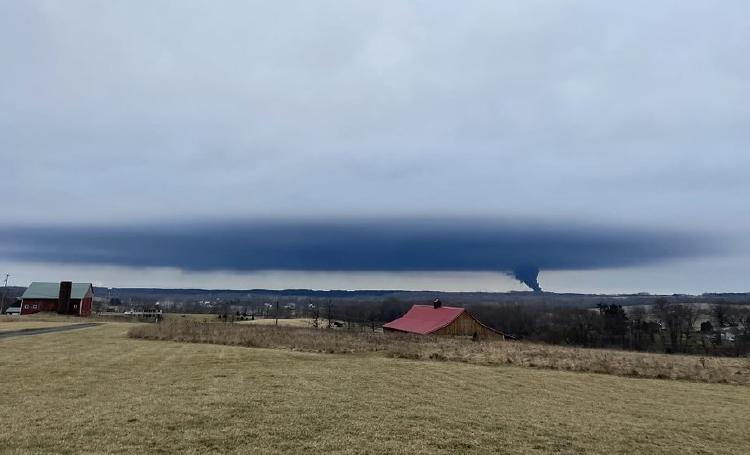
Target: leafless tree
{"x": 315, "y": 314}
{"x": 721, "y": 314}
{"x": 330, "y": 316}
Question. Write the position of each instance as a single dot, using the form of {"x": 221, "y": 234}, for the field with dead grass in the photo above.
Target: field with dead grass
{"x": 296, "y": 322}
{"x": 23, "y": 325}
{"x": 282, "y": 322}
{"x": 622, "y": 363}
{"x": 98, "y": 391}
{"x": 36, "y": 321}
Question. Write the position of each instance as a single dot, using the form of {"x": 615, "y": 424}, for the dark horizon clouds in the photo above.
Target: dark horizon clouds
{"x": 397, "y": 245}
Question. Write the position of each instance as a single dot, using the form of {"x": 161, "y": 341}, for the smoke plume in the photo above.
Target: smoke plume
{"x": 528, "y": 276}
{"x": 518, "y": 249}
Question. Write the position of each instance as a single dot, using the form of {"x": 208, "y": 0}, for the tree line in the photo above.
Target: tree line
{"x": 662, "y": 326}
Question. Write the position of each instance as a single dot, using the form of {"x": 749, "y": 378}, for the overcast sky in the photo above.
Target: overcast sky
{"x": 567, "y": 113}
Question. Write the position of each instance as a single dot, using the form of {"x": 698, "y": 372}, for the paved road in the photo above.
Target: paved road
{"x": 64, "y": 328}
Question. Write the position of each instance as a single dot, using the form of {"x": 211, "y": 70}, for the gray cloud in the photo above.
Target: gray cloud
{"x": 392, "y": 108}
{"x": 632, "y": 113}
{"x": 520, "y": 249}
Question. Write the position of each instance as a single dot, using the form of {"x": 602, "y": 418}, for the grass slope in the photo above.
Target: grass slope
{"x": 96, "y": 391}
{"x": 460, "y": 349}
{"x": 11, "y": 326}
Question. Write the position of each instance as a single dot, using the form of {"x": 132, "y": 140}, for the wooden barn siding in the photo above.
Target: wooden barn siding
{"x": 27, "y": 305}
{"x": 466, "y": 325}
{"x": 85, "y": 309}
{"x": 51, "y": 305}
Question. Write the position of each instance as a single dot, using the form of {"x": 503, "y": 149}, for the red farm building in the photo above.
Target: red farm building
{"x": 437, "y": 319}
{"x": 64, "y": 298}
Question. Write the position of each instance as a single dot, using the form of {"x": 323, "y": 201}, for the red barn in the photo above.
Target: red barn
{"x": 437, "y": 319}
{"x": 64, "y": 298}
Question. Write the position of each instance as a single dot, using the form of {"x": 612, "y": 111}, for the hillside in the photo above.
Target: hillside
{"x": 285, "y": 295}
{"x": 111, "y": 394}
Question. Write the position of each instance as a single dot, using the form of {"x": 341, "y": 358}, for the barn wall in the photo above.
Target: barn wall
{"x": 31, "y": 306}
{"x": 75, "y": 307}
{"x": 86, "y": 306}
{"x": 465, "y": 325}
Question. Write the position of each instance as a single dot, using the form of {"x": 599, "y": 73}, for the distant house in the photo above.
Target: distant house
{"x": 437, "y": 319}
{"x": 64, "y": 298}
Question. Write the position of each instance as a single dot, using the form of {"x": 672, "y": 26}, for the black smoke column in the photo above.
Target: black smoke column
{"x": 529, "y": 276}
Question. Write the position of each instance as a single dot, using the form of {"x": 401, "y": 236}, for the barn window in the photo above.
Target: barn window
{"x": 35, "y": 306}
{"x": 26, "y": 307}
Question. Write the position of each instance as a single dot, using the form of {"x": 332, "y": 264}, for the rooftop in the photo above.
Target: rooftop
{"x": 43, "y": 290}
{"x": 424, "y": 319}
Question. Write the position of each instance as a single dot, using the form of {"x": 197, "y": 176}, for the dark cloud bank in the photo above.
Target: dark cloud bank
{"x": 519, "y": 249}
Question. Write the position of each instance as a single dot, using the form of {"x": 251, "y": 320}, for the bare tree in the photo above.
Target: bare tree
{"x": 314, "y": 313}
{"x": 689, "y": 315}
{"x": 5, "y": 292}
{"x": 721, "y": 313}
{"x": 330, "y": 316}
{"x": 679, "y": 323}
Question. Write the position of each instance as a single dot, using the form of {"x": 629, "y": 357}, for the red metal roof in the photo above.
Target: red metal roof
{"x": 424, "y": 319}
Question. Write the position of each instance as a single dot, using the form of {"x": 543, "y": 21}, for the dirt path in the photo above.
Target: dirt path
{"x": 65, "y": 328}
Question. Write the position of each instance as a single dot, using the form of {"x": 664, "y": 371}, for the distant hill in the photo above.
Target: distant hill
{"x": 370, "y": 295}
{"x": 287, "y": 295}
{"x": 12, "y": 292}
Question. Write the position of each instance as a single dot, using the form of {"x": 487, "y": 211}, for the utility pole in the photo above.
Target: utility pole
{"x": 277, "y": 312}
{"x": 5, "y": 291}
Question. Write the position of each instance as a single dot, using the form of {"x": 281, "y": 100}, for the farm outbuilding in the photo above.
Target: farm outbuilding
{"x": 437, "y": 319}
{"x": 64, "y": 298}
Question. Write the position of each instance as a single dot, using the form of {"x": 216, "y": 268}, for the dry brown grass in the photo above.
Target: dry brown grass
{"x": 264, "y": 336}
{"x": 45, "y": 316}
{"x": 295, "y": 322}
{"x": 96, "y": 391}
{"x": 192, "y": 316}
{"x": 621, "y": 363}
{"x": 21, "y": 324}
{"x": 39, "y": 320}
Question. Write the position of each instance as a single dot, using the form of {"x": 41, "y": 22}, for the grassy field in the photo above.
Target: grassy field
{"x": 730, "y": 370}
{"x": 21, "y": 325}
{"x": 97, "y": 391}
{"x": 293, "y": 322}
{"x": 12, "y": 323}
{"x": 191, "y": 316}
{"x": 297, "y": 322}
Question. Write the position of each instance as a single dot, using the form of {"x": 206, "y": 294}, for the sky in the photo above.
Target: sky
{"x": 597, "y": 128}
